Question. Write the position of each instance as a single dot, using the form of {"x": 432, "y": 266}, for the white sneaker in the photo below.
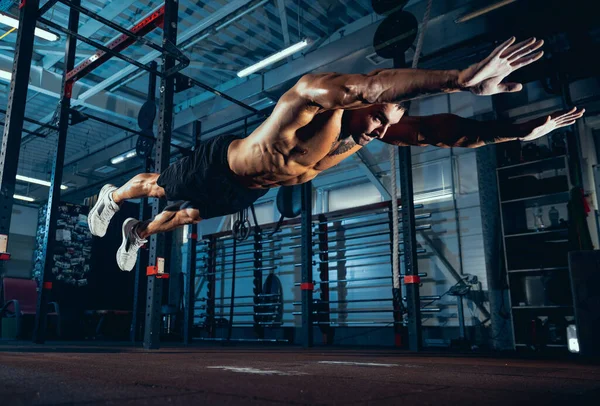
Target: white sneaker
{"x": 103, "y": 211}
{"x": 127, "y": 252}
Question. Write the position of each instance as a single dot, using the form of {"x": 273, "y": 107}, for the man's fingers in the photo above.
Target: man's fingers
{"x": 525, "y": 51}
{"x": 569, "y": 118}
{"x": 517, "y": 47}
{"x": 572, "y": 114}
{"x": 502, "y": 47}
{"x": 526, "y": 60}
{"x": 568, "y": 123}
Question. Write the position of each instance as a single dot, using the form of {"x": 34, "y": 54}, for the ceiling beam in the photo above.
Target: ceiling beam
{"x": 218, "y": 68}
{"x": 110, "y": 12}
{"x": 50, "y": 84}
{"x": 284, "y": 25}
{"x": 50, "y": 50}
{"x": 202, "y": 30}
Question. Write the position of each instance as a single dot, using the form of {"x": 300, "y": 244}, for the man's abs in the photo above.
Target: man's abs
{"x": 270, "y": 158}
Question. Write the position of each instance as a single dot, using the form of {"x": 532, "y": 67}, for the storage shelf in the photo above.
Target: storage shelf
{"x": 560, "y": 268}
{"x": 545, "y": 160}
{"x": 558, "y": 230}
{"x": 542, "y": 200}
{"x": 540, "y": 307}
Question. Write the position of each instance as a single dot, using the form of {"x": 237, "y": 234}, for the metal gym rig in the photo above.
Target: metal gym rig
{"x": 171, "y": 81}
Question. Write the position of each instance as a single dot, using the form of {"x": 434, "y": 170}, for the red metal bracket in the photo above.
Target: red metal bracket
{"x": 69, "y": 88}
{"x": 153, "y": 271}
{"x": 147, "y": 25}
{"x": 307, "y": 286}
{"x": 412, "y": 279}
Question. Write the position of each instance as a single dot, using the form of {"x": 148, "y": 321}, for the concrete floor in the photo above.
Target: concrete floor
{"x": 83, "y": 374}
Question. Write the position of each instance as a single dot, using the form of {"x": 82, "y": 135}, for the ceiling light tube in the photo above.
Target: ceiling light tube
{"x": 14, "y": 23}
{"x": 123, "y": 157}
{"x": 483, "y": 11}
{"x": 273, "y": 58}
{"x": 24, "y": 198}
{"x": 5, "y": 75}
{"x": 38, "y": 181}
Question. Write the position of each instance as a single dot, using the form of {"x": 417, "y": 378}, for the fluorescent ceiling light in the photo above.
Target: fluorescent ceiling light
{"x": 123, "y": 157}
{"x": 13, "y": 22}
{"x": 273, "y": 58}
{"x": 25, "y": 198}
{"x": 38, "y": 181}
{"x": 483, "y": 11}
{"x": 5, "y": 75}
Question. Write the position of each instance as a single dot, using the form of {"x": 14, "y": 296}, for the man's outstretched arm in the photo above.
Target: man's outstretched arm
{"x": 449, "y": 130}
{"x": 346, "y": 91}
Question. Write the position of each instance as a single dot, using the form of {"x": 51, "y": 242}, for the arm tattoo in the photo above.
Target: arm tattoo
{"x": 346, "y": 145}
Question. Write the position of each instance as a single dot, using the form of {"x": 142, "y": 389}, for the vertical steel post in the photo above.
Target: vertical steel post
{"x": 324, "y": 306}
{"x": 190, "y": 285}
{"x": 307, "y": 284}
{"x": 411, "y": 269}
{"x": 397, "y": 304}
{"x": 211, "y": 286}
{"x": 160, "y": 244}
{"x": 15, "y": 115}
{"x": 258, "y": 284}
{"x": 39, "y": 331}
{"x": 142, "y": 264}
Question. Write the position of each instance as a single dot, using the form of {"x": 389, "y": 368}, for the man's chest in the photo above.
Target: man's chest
{"x": 321, "y": 144}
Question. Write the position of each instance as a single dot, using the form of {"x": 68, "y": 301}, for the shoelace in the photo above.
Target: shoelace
{"x": 109, "y": 210}
{"x": 133, "y": 248}
{"x": 137, "y": 242}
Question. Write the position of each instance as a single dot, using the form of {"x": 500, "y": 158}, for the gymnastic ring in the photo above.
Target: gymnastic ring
{"x": 241, "y": 230}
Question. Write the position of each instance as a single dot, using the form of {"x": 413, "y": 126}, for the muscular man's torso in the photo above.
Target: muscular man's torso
{"x": 275, "y": 155}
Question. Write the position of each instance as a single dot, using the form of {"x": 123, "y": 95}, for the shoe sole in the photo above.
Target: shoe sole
{"x": 124, "y": 245}
{"x": 95, "y": 210}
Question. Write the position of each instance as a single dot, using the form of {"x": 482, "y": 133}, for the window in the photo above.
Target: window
{"x": 353, "y": 196}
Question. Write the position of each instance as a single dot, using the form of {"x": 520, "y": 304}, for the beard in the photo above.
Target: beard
{"x": 361, "y": 139}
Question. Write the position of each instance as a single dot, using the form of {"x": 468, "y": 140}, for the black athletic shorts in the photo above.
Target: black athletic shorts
{"x": 205, "y": 180}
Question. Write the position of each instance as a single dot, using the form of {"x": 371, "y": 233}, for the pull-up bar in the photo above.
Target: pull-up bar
{"x": 126, "y": 129}
{"x": 147, "y": 25}
{"x": 128, "y": 38}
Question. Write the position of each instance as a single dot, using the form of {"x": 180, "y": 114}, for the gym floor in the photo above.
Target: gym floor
{"x": 216, "y": 375}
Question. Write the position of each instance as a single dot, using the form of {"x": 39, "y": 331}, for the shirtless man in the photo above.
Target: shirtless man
{"x": 322, "y": 120}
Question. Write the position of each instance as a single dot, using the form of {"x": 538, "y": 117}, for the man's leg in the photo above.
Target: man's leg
{"x": 135, "y": 233}
{"x": 142, "y": 185}
{"x": 171, "y": 218}
{"x": 110, "y": 197}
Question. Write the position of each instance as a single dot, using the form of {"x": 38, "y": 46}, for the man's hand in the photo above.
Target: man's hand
{"x": 539, "y": 127}
{"x": 485, "y": 78}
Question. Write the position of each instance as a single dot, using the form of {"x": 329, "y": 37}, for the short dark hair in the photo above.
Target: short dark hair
{"x": 403, "y": 105}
